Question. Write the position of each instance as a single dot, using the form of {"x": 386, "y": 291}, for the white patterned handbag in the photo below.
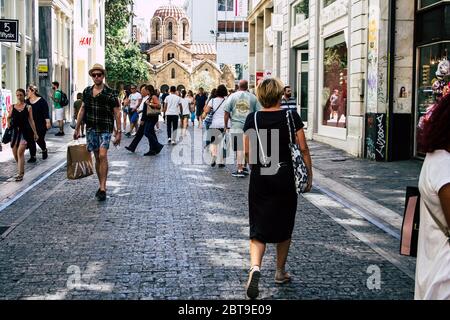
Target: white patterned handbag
{"x": 300, "y": 169}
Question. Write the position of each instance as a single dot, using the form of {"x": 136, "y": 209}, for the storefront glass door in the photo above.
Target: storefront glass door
{"x": 433, "y": 82}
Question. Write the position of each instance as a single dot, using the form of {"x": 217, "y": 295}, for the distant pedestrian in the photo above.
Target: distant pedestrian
{"x": 191, "y": 98}
{"x": 59, "y": 109}
{"x": 41, "y": 117}
{"x": 288, "y": 102}
{"x": 123, "y": 100}
{"x": 158, "y": 94}
{"x": 147, "y": 123}
{"x": 76, "y": 108}
{"x": 216, "y": 130}
{"x": 163, "y": 100}
{"x": 237, "y": 108}
{"x": 433, "y": 251}
{"x": 200, "y": 102}
{"x": 20, "y": 119}
{"x": 185, "y": 112}
{"x": 135, "y": 100}
{"x": 172, "y": 109}
{"x": 272, "y": 197}
{"x": 102, "y": 108}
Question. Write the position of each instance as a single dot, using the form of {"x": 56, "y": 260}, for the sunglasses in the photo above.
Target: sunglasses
{"x": 97, "y": 75}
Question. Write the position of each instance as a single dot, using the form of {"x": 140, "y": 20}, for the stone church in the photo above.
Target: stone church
{"x": 175, "y": 61}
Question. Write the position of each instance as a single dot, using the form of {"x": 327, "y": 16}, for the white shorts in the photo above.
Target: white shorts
{"x": 59, "y": 114}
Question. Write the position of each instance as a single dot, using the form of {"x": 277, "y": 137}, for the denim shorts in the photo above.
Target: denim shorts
{"x": 97, "y": 140}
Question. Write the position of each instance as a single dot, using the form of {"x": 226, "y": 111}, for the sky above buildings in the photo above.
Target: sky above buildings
{"x": 146, "y": 8}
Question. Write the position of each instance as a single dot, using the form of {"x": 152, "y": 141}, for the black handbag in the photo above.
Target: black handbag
{"x": 7, "y": 135}
{"x": 411, "y": 222}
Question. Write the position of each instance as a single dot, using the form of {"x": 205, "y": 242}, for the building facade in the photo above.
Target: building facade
{"x": 174, "y": 60}
{"x": 19, "y": 60}
{"x": 88, "y": 41}
{"x": 222, "y": 23}
{"x": 352, "y": 66}
{"x": 55, "y": 47}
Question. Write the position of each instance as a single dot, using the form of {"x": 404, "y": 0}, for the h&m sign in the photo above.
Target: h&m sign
{"x": 86, "y": 41}
{"x": 9, "y": 30}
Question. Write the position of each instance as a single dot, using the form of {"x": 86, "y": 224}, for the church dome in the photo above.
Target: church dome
{"x": 170, "y": 11}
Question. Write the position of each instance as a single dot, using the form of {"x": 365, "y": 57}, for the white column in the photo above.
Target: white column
{"x": 22, "y": 8}
{"x": 11, "y": 57}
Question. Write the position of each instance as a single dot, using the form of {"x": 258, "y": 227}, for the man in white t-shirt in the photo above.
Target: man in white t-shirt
{"x": 172, "y": 108}
{"x": 135, "y": 100}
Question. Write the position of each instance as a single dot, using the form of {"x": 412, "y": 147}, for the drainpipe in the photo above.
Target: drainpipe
{"x": 391, "y": 78}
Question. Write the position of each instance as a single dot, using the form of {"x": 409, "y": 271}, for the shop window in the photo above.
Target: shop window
{"x": 335, "y": 64}
{"x": 427, "y": 3}
{"x": 239, "y": 74}
{"x": 433, "y": 80}
{"x": 225, "y": 5}
{"x": 2, "y": 9}
{"x": 221, "y": 26}
{"x": 300, "y": 12}
{"x": 5, "y": 67}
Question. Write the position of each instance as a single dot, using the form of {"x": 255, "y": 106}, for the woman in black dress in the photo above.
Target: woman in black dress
{"x": 41, "y": 118}
{"x": 20, "y": 119}
{"x": 272, "y": 191}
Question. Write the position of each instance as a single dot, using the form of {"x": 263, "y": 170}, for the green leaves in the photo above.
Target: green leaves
{"x": 123, "y": 58}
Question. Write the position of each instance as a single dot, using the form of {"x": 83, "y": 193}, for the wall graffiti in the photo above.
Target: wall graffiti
{"x": 372, "y": 58}
{"x": 375, "y": 148}
{"x": 381, "y": 136}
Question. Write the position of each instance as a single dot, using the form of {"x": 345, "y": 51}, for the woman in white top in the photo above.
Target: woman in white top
{"x": 433, "y": 254}
{"x": 217, "y": 127}
{"x": 185, "y": 112}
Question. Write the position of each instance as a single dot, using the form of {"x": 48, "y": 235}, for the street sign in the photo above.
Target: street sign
{"x": 43, "y": 67}
{"x": 9, "y": 30}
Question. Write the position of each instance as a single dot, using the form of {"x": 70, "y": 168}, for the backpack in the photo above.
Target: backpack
{"x": 64, "y": 100}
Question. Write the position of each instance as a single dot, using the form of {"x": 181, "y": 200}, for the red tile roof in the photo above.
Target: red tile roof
{"x": 170, "y": 11}
{"x": 203, "y": 48}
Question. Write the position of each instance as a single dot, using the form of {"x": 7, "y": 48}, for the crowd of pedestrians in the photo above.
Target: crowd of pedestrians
{"x": 233, "y": 122}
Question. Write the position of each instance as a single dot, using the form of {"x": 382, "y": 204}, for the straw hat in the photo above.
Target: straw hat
{"x": 97, "y": 67}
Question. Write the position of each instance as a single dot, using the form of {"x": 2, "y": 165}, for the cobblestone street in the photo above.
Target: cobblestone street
{"x": 170, "y": 231}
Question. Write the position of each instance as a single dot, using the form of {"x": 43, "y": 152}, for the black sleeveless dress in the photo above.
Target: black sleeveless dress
{"x": 272, "y": 197}
{"x": 21, "y": 127}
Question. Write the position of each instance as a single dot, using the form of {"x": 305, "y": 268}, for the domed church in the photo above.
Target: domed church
{"x": 176, "y": 61}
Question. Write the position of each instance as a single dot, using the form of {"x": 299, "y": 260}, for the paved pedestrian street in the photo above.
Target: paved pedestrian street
{"x": 171, "y": 231}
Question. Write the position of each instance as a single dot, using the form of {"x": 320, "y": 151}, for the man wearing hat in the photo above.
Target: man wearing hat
{"x": 101, "y": 107}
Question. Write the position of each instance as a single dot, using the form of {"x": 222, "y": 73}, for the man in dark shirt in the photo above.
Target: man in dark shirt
{"x": 288, "y": 102}
{"x": 200, "y": 101}
{"x": 163, "y": 98}
{"x": 101, "y": 106}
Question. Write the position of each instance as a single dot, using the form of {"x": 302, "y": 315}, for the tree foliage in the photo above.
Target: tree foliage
{"x": 123, "y": 58}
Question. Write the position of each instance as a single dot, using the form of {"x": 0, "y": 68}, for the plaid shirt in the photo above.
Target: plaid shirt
{"x": 100, "y": 109}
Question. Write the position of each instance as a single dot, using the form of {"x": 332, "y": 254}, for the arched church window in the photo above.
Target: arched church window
{"x": 170, "y": 31}
{"x": 157, "y": 31}
{"x": 184, "y": 31}
{"x": 170, "y": 56}
{"x": 173, "y": 73}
